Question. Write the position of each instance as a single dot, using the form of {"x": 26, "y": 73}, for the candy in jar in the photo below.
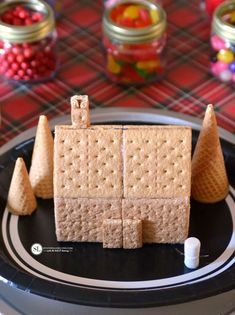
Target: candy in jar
{"x": 28, "y": 41}
{"x": 134, "y": 38}
{"x": 109, "y": 3}
{"x": 223, "y": 42}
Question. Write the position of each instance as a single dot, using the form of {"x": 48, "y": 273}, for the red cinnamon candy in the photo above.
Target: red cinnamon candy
{"x": 27, "y": 54}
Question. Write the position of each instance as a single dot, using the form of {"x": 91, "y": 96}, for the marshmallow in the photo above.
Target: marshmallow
{"x": 191, "y": 263}
{"x": 191, "y": 252}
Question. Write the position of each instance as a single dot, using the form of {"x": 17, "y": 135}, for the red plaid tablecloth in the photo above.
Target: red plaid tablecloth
{"x": 187, "y": 88}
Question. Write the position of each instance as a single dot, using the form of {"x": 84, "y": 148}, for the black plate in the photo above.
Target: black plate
{"x": 85, "y": 273}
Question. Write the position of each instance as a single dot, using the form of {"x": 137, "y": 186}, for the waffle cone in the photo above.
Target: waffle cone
{"x": 209, "y": 178}
{"x": 41, "y": 171}
{"x": 21, "y": 200}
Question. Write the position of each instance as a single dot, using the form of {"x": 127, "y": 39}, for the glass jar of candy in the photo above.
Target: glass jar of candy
{"x": 27, "y": 41}
{"x": 134, "y": 38}
{"x": 109, "y": 3}
{"x": 223, "y": 42}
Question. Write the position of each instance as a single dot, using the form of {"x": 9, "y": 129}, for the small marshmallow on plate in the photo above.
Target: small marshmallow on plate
{"x": 192, "y": 247}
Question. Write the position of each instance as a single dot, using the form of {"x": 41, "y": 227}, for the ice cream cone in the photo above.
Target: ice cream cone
{"x": 41, "y": 171}
{"x": 21, "y": 200}
{"x": 209, "y": 178}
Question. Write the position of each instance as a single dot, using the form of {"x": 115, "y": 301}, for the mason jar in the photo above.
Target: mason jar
{"x": 135, "y": 52}
{"x": 109, "y": 3}
{"x": 28, "y": 50}
{"x": 223, "y": 42}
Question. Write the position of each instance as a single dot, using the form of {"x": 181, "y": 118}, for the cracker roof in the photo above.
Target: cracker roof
{"x": 122, "y": 161}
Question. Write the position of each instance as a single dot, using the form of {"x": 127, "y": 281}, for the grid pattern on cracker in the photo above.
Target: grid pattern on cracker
{"x": 105, "y": 163}
{"x": 112, "y": 233}
{"x": 95, "y": 144}
{"x": 88, "y": 163}
{"x": 157, "y": 162}
{"x": 81, "y": 219}
{"x": 132, "y": 234}
{"x": 163, "y": 220}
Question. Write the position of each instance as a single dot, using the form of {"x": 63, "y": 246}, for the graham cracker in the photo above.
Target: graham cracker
{"x": 132, "y": 234}
{"x": 70, "y": 163}
{"x": 88, "y": 163}
{"x": 163, "y": 220}
{"x": 156, "y": 162}
{"x": 105, "y": 163}
{"x": 112, "y": 233}
{"x": 81, "y": 219}
{"x": 174, "y": 162}
{"x": 139, "y": 163}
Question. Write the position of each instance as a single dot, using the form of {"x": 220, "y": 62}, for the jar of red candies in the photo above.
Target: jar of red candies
{"x": 134, "y": 37}
{"x": 27, "y": 41}
{"x": 223, "y": 42}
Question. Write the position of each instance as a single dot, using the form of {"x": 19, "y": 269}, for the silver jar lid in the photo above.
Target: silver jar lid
{"x": 135, "y": 35}
{"x": 219, "y": 26}
{"x": 28, "y": 33}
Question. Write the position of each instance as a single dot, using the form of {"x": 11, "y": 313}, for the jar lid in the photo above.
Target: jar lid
{"x": 135, "y": 35}
{"x": 28, "y": 33}
{"x": 219, "y": 26}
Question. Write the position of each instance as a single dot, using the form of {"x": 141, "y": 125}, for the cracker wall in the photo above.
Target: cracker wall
{"x": 118, "y": 173}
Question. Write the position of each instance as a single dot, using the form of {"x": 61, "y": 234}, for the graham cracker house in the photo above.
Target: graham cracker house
{"x": 122, "y": 185}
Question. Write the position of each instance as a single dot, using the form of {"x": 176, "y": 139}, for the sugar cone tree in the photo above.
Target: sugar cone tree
{"x": 41, "y": 171}
{"x": 209, "y": 178}
{"x": 21, "y": 199}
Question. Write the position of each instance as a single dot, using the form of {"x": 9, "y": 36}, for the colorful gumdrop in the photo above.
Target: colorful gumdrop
{"x": 217, "y": 43}
{"x": 225, "y": 76}
{"x": 225, "y": 56}
{"x": 113, "y": 66}
{"x": 132, "y": 12}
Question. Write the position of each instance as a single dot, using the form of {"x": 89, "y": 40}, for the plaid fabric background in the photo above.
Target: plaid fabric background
{"x": 187, "y": 88}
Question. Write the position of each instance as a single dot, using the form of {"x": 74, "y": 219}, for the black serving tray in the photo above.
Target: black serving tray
{"x": 85, "y": 273}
